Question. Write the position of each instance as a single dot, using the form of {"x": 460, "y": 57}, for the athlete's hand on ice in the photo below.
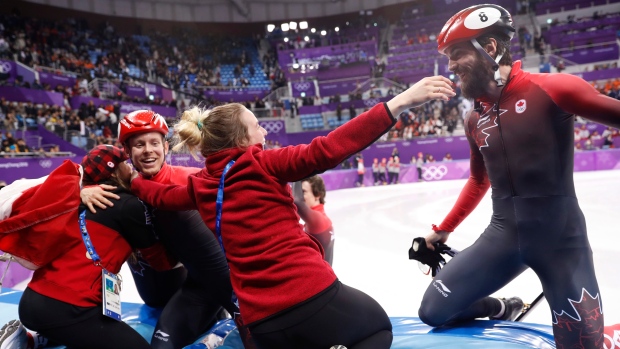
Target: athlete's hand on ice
{"x": 425, "y": 90}
{"x": 98, "y": 195}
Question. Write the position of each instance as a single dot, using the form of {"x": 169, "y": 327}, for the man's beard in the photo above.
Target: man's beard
{"x": 476, "y": 79}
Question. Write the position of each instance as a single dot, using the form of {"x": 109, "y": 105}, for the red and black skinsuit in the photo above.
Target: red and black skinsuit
{"x": 524, "y": 153}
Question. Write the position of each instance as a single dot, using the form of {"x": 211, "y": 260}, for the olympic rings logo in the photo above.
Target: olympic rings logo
{"x": 301, "y": 86}
{"x": 5, "y": 67}
{"x": 371, "y": 102}
{"x": 272, "y": 126}
{"x": 434, "y": 172}
{"x": 45, "y": 163}
{"x": 613, "y": 342}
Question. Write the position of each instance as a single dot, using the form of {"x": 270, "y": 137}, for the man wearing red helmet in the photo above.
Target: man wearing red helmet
{"x": 521, "y": 139}
{"x": 196, "y": 291}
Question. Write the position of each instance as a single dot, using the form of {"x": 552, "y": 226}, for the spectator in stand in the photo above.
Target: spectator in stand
{"x": 9, "y": 138}
{"x": 22, "y": 147}
{"x": 584, "y": 133}
{"x": 447, "y": 157}
{"x": 352, "y": 112}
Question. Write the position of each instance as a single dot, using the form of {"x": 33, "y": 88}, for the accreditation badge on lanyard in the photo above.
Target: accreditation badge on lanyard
{"x": 110, "y": 282}
{"x": 111, "y": 294}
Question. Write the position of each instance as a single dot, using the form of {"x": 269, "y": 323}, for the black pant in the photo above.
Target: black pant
{"x": 192, "y": 309}
{"x": 339, "y": 315}
{"x": 76, "y": 327}
{"x": 547, "y": 234}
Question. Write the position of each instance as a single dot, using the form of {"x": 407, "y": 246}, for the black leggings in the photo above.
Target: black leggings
{"x": 339, "y": 315}
{"x": 76, "y": 327}
{"x": 547, "y": 234}
{"x": 192, "y": 309}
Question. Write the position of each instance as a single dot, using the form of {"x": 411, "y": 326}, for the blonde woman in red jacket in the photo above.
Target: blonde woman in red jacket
{"x": 288, "y": 295}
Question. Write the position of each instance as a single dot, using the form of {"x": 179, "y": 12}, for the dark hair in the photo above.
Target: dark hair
{"x": 318, "y": 187}
{"x": 503, "y": 46}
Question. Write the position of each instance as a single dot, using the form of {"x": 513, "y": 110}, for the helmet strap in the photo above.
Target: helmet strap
{"x": 494, "y": 62}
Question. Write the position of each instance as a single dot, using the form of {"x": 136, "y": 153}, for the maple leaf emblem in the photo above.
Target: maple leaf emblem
{"x": 520, "y": 104}
{"x": 582, "y": 326}
{"x": 487, "y": 121}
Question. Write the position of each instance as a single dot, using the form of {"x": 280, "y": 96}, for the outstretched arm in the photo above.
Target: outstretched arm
{"x": 293, "y": 163}
{"x": 472, "y": 193}
{"x": 576, "y": 96}
{"x": 166, "y": 197}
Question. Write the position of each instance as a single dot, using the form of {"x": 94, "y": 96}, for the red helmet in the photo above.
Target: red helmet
{"x": 473, "y": 22}
{"x": 141, "y": 121}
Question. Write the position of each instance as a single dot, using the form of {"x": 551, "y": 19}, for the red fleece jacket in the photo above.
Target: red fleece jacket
{"x": 274, "y": 264}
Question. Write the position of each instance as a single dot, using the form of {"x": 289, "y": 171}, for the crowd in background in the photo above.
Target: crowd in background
{"x": 170, "y": 58}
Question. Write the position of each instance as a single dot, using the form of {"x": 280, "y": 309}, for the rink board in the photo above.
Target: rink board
{"x": 409, "y": 332}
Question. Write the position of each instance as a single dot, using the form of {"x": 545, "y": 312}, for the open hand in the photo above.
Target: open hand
{"x": 98, "y": 196}
{"x": 425, "y": 90}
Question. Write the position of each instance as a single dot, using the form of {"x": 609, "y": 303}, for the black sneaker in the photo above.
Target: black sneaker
{"x": 514, "y": 306}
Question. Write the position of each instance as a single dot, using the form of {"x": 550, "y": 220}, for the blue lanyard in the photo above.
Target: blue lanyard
{"x": 218, "y": 206}
{"x": 218, "y": 221}
{"x": 87, "y": 242}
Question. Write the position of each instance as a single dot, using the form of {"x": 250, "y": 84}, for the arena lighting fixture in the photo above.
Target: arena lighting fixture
{"x": 313, "y": 30}
{"x": 295, "y": 65}
{"x": 285, "y": 39}
{"x": 284, "y": 27}
{"x": 306, "y": 38}
{"x": 292, "y": 25}
{"x": 549, "y": 20}
{"x": 323, "y": 32}
{"x": 337, "y": 29}
{"x": 270, "y": 27}
{"x": 303, "y": 25}
{"x": 303, "y": 94}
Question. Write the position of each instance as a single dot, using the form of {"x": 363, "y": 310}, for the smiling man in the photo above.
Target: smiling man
{"x": 521, "y": 143}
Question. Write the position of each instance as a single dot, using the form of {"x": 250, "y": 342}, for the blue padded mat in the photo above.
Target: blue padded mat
{"x": 409, "y": 332}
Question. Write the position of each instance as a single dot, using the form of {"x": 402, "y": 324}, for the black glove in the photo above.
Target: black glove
{"x": 434, "y": 259}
